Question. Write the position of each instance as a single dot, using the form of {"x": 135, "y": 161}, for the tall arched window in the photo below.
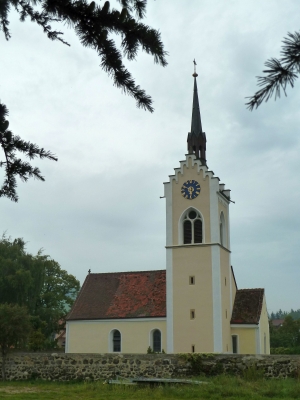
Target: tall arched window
{"x": 187, "y": 232}
{"x": 192, "y": 227}
{"x": 116, "y": 341}
{"x": 156, "y": 340}
{"x": 223, "y": 236}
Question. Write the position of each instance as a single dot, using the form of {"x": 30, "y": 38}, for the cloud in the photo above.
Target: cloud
{"x": 99, "y": 207}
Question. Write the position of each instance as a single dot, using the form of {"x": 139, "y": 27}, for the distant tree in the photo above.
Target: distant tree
{"x": 36, "y": 282}
{"x": 36, "y": 340}
{"x": 295, "y": 314}
{"x": 287, "y": 335}
{"x": 22, "y": 275}
{"x": 56, "y": 297}
{"x": 14, "y": 329}
{"x": 279, "y": 73}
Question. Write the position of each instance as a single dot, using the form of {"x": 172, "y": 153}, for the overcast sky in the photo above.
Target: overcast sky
{"x": 99, "y": 207}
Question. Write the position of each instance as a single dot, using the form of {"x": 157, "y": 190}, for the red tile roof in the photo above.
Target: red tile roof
{"x": 247, "y": 306}
{"x": 121, "y": 295}
{"x": 277, "y": 322}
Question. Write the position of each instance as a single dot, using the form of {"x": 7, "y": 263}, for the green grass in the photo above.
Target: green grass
{"x": 221, "y": 387}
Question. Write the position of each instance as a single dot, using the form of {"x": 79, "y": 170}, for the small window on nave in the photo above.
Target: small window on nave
{"x": 192, "y": 227}
{"x": 116, "y": 341}
{"x": 156, "y": 339}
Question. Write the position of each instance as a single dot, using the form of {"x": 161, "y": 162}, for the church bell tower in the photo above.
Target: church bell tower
{"x": 200, "y": 284}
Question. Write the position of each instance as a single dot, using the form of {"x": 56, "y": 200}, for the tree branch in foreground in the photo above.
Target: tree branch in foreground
{"x": 15, "y": 167}
{"x": 280, "y": 73}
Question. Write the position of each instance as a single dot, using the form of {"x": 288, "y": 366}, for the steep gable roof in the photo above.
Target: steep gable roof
{"x": 121, "y": 295}
{"x": 247, "y": 306}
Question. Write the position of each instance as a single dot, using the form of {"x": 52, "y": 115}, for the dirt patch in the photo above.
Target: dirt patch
{"x": 12, "y": 390}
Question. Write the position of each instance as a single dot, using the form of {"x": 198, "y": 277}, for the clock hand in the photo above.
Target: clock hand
{"x": 191, "y": 189}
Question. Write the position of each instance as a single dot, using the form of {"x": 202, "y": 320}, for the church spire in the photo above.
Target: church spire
{"x": 196, "y": 138}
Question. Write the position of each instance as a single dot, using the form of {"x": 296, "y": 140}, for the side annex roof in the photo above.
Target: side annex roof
{"x": 247, "y": 306}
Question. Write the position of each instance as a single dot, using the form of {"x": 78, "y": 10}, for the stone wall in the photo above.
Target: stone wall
{"x": 65, "y": 367}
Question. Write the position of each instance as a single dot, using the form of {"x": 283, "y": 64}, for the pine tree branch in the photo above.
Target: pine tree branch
{"x": 4, "y": 10}
{"x": 280, "y": 73}
{"x": 41, "y": 18}
{"x": 139, "y": 6}
{"x": 94, "y": 24}
{"x": 15, "y": 167}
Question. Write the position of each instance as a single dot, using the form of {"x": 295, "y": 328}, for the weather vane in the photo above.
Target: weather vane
{"x": 195, "y": 73}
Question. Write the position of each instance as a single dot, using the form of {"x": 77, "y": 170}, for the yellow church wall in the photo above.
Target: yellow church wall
{"x": 197, "y": 297}
{"x": 94, "y": 336}
{"x": 201, "y": 203}
{"x": 246, "y": 339}
{"x": 225, "y": 291}
{"x": 264, "y": 330}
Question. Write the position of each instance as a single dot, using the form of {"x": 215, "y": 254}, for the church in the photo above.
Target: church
{"x": 194, "y": 305}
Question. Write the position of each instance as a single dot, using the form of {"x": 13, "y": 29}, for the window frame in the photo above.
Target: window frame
{"x": 152, "y": 332}
{"x": 237, "y": 344}
{"x": 112, "y": 341}
{"x": 184, "y": 217}
{"x": 223, "y": 230}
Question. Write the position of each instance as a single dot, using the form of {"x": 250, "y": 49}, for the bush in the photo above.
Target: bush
{"x": 285, "y": 350}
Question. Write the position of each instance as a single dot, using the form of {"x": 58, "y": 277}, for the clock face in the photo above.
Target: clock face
{"x": 190, "y": 189}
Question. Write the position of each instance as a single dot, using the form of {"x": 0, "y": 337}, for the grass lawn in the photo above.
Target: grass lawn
{"x": 218, "y": 388}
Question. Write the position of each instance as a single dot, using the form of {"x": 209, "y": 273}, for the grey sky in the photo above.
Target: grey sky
{"x": 108, "y": 150}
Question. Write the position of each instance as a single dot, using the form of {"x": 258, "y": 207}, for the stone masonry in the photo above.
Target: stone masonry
{"x": 75, "y": 367}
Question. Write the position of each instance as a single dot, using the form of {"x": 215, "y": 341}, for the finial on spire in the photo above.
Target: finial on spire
{"x": 196, "y": 138}
{"x": 195, "y": 73}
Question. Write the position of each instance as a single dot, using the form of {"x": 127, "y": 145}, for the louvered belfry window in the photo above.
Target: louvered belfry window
{"x": 192, "y": 228}
{"x": 187, "y": 232}
{"x": 198, "y": 231}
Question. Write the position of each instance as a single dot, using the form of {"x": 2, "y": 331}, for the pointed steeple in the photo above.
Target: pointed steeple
{"x": 196, "y": 138}
{"x": 196, "y": 127}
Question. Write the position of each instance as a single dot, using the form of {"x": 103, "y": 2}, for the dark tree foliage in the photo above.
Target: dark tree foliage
{"x": 36, "y": 282}
{"x": 14, "y": 329}
{"x": 279, "y": 73}
{"x": 16, "y": 167}
{"x": 95, "y": 26}
{"x": 286, "y": 336}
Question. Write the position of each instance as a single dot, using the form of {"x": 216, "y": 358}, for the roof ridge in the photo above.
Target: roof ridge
{"x": 126, "y": 272}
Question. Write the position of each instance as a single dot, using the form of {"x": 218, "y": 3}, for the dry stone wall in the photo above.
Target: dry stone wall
{"x": 71, "y": 367}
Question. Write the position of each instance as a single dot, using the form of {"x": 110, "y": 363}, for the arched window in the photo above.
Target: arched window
{"x": 221, "y": 232}
{"x": 223, "y": 236}
{"x": 187, "y": 232}
{"x": 156, "y": 340}
{"x": 116, "y": 341}
{"x": 192, "y": 227}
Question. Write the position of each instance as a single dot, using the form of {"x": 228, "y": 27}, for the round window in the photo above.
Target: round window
{"x": 192, "y": 215}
